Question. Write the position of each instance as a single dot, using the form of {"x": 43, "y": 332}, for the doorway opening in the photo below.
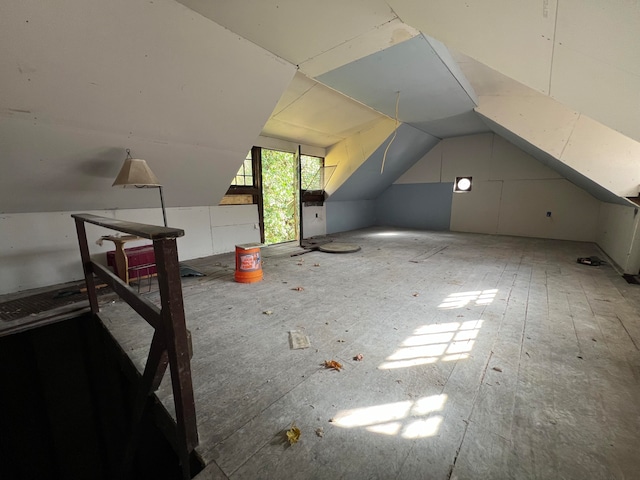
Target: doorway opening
{"x": 279, "y": 183}
{"x": 280, "y": 196}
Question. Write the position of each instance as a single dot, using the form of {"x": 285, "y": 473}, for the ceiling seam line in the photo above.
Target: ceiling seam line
{"x": 449, "y": 70}
{"x": 375, "y": 27}
{"x": 553, "y": 45}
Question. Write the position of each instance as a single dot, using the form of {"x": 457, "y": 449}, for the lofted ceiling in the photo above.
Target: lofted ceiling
{"x": 225, "y": 66}
{"x": 313, "y": 114}
{"x": 567, "y": 50}
{"x": 362, "y": 52}
{"x": 413, "y": 82}
{"x": 380, "y": 54}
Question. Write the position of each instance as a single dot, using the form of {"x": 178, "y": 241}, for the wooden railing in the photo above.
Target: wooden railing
{"x": 170, "y": 343}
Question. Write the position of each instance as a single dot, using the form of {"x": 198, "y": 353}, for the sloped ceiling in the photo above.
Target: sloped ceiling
{"x": 581, "y": 53}
{"x": 412, "y": 82}
{"x": 361, "y": 50}
{"x": 375, "y": 53}
{"x": 563, "y": 169}
{"x": 370, "y": 180}
{"x": 85, "y": 79}
{"x": 313, "y": 114}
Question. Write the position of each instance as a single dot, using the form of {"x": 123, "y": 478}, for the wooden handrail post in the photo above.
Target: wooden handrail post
{"x": 86, "y": 266}
{"x": 170, "y": 285}
{"x": 171, "y": 340}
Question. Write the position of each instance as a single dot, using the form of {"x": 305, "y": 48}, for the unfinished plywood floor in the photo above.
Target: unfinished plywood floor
{"x": 484, "y": 357}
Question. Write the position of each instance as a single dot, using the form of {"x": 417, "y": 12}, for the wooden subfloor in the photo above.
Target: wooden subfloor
{"x": 484, "y": 357}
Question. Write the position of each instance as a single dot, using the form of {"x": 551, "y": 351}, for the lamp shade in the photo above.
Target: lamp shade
{"x": 135, "y": 171}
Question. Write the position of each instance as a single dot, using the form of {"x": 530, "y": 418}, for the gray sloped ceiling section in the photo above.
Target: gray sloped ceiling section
{"x": 368, "y": 182}
{"x": 418, "y": 83}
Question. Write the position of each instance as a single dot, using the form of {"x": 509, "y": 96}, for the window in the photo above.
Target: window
{"x": 312, "y": 173}
{"x": 244, "y": 186}
{"x": 244, "y": 177}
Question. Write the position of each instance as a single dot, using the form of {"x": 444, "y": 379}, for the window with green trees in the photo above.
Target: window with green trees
{"x": 312, "y": 172}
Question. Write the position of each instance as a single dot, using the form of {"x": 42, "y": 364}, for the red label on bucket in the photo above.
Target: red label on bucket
{"x": 249, "y": 262}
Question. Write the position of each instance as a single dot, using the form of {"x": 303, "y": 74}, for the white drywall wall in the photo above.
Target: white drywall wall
{"x": 41, "y": 249}
{"x": 511, "y": 193}
{"x": 477, "y": 211}
{"x": 617, "y": 235}
{"x": 315, "y": 221}
{"x": 524, "y": 205}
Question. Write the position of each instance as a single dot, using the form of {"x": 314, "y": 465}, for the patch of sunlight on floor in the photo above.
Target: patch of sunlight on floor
{"x": 462, "y": 299}
{"x": 410, "y": 419}
{"x": 431, "y": 343}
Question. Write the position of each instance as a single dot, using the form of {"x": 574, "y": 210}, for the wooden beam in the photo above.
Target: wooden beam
{"x": 152, "y": 232}
{"x": 143, "y": 307}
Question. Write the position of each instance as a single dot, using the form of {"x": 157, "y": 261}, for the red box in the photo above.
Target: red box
{"x": 141, "y": 260}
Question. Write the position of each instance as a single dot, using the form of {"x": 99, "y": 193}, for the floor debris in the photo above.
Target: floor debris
{"x": 497, "y": 369}
{"x": 293, "y": 434}
{"x": 332, "y": 364}
{"x": 320, "y": 432}
{"x": 298, "y": 340}
{"x": 298, "y": 289}
{"x": 593, "y": 261}
{"x": 358, "y": 357}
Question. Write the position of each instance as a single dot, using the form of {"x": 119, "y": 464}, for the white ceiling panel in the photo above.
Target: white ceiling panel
{"x": 596, "y": 63}
{"x": 298, "y": 134}
{"x": 379, "y": 38}
{"x": 297, "y": 88}
{"x": 325, "y": 110}
{"x": 607, "y": 31}
{"x": 313, "y": 114}
{"x": 513, "y": 36}
{"x": 296, "y": 30}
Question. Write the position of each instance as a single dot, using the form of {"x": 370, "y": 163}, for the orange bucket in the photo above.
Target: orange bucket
{"x": 248, "y": 263}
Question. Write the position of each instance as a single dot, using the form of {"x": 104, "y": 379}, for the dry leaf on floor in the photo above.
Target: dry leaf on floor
{"x": 293, "y": 434}
{"x": 332, "y": 364}
{"x": 415, "y": 294}
{"x": 316, "y": 264}
{"x": 358, "y": 357}
{"x": 298, "y": 289}
{"x": 267, "y": 312}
